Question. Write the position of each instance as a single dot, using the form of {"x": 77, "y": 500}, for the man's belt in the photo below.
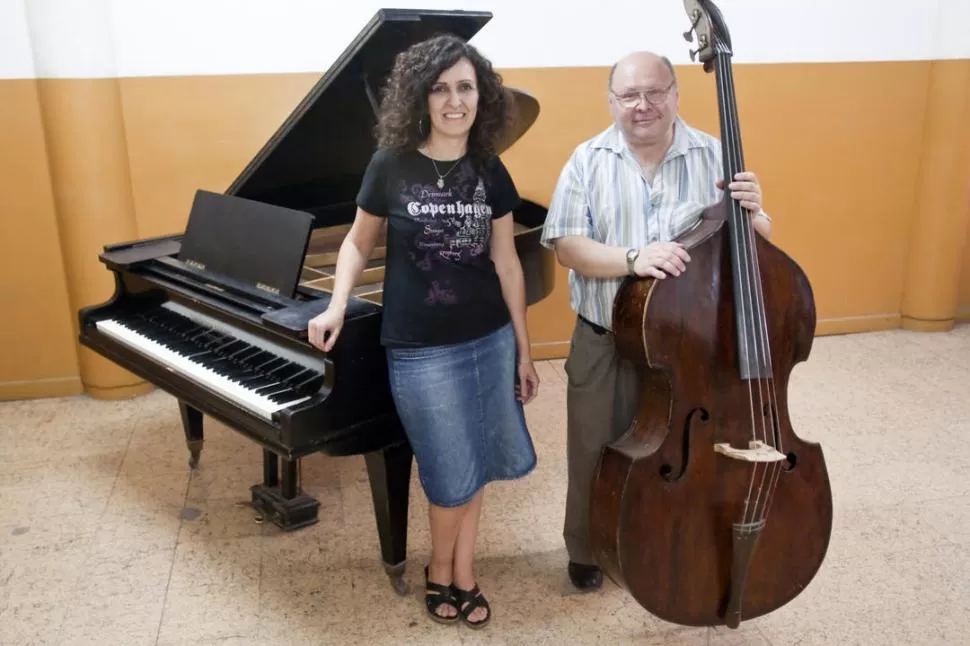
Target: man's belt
{"x": 599, "y": 329}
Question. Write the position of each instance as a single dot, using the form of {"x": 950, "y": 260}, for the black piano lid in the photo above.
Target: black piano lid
{"x": 316, "y": 159}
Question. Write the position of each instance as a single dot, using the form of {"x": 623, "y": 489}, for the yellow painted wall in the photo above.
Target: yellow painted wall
{"x": 964, "y": 295}
{"x": 837, "y": 147}
{"x": 37, "y": 349}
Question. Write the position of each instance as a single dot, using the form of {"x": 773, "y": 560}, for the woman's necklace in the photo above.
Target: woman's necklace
{"x": 441, "y": 178}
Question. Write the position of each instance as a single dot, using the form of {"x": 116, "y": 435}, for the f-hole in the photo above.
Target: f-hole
{"x": 667, "y": 471}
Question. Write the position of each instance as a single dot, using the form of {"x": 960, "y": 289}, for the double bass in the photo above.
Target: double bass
{"x": 710, "y": 509}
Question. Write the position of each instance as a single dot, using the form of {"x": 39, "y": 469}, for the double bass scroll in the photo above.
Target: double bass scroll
{"x": 710, "y": 509}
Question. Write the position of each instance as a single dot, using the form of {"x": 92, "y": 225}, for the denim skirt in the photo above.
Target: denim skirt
{"x": 458, "y": 407}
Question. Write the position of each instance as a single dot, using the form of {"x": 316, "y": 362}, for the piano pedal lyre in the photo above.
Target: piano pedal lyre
{"x": 281, "y": 499}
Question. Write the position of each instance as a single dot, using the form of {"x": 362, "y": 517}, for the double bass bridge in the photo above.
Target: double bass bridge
{"x": 757, "y": 451}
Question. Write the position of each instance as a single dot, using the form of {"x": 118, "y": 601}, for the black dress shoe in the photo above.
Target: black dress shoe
{"x": 585, "y": 577}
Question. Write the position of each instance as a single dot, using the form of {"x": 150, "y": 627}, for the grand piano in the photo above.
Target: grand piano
{"x": 217, "y": 315}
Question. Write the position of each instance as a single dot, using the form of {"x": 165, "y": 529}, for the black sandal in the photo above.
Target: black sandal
{"x": 468, "y": 600}
{"x": 435, "y": 596}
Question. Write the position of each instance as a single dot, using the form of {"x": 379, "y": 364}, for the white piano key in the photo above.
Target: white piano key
{"x": 194, "y": 370}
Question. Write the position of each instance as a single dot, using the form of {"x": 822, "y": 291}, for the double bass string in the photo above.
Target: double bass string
{"x": 749, "y": 296}
{"x": 742, "y": 301}
{"x": 765, "y": 350}
{"x": 760, "y": 328}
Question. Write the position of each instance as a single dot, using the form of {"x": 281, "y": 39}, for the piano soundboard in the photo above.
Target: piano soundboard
{"x": 320, "y": 266}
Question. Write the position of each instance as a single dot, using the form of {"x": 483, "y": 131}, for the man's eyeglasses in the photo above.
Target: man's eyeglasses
{"x": 632, "y": 99}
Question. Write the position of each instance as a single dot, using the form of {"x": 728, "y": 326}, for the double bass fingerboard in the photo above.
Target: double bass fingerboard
{"x": 754, "y": 353}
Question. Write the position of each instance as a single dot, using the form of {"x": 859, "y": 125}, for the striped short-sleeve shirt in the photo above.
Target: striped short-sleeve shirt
{"x": 603, "y": 194}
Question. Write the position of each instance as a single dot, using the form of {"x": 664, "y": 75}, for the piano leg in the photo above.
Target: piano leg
{"x": 282, "y": 501}
{"x": 192, "y": 426}
{"x": 389, "y": 471}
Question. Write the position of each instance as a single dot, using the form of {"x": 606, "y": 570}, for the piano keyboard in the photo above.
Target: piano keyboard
{"x": 251, "y": 371}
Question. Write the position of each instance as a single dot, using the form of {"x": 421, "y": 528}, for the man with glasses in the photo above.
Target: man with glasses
{"x": 621, "y": 198}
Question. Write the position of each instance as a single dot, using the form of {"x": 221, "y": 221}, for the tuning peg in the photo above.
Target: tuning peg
{"x": 695, "y": 16}
{"x": 702, "y": 41}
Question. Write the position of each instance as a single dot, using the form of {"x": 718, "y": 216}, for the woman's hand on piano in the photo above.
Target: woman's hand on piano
{"x": 323, "y": 328}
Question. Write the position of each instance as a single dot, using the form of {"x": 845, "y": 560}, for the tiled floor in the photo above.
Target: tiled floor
{"x": 107, "y": 538}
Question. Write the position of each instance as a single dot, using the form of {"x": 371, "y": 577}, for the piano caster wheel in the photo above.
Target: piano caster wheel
{"x": 194, "y": 459}
{"x": 396, "y": 574}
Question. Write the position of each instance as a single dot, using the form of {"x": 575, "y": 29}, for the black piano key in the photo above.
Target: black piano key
{"x": 281, "y": 396}
{"x": 234, "y": 372}
{"x": 272, "y": 364}
{"x": 236, "y": 346}
{"x": 269, "y": 388}
{"x": 224, "y": 367}
{"x": 213, "y": 340}
{"x": 228, "y": 346}
{"x": 311, "y": 383}
{"x": 260, "y": 358}
{"x": 285, "y": 371}
{"x": 181, "y": 327}
{"x": 252, "y": 380}
{"x": 297, "y": 376}
{"x": 253, "y": 368}
{"x": 182, "y": 347}
{"x": 307, "y": 382}
{"x": 199, "y": 336}
{"x": 245, "y": 356}
{"x": 244, "y": 351}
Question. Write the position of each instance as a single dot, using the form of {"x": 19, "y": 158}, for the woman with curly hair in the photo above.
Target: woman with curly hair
{"x": 454, "y": 319}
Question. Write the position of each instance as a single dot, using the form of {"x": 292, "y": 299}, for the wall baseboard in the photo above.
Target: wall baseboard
{"x": 550, "y": 350}
{"x": 858, "y": 324}
{"x": 39, "y": 388}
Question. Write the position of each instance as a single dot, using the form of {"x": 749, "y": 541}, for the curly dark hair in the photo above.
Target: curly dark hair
{"x": 404, "y": 103}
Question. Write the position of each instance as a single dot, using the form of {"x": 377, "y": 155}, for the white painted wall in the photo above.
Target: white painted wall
{"x": 16, "y": 58}
{"x": 97, "y": 38}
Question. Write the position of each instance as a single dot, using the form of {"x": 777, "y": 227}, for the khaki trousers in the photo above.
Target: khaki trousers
{"x": 601, "y": 400}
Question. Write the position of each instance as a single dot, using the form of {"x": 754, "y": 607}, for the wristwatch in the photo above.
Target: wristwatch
{"x": 631, "y": 257}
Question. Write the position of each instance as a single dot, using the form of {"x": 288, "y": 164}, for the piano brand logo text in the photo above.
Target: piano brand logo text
{"x": 195, "y": 264}
{"x": 268, "y": 288}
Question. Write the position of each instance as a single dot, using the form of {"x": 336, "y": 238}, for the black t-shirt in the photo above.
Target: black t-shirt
{"x": 440, "y": 285}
